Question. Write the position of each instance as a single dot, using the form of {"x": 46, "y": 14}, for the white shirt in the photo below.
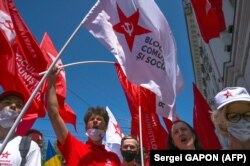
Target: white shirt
{"x": 11, "y": 155}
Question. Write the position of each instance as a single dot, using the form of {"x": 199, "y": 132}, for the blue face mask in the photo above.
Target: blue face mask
{"x": 240, "y": 130}
{"x": 7, "y": 117}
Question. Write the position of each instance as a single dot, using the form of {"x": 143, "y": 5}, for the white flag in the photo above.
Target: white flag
{"x": 113, "y": 135}
{"x": 139, "y": 36}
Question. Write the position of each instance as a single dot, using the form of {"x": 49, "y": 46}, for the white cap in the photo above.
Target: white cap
{"x": 229, "y": 95}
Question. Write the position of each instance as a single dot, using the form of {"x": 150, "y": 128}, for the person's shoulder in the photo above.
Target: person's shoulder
{"x": 71, "y": 140}
{"x": 34, "y": 145}
{"x": 15, "y": 140}
{"x": 14, "y": 143}
{"x": 113, "y": 155}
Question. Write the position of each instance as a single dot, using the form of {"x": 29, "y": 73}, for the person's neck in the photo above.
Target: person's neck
{"x": 3, "y": 133}
{"x": 245, "y": 145}
{"x": 99, "y": 142}
{"x": 190, "y": 147}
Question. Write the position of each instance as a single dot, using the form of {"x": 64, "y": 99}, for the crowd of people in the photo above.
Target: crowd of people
{"x": 231, "y": 120}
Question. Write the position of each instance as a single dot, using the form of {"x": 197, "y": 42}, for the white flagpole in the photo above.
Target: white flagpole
{"x": 141, "y": 143}
{"x": 26, "y": 106}
{"x": 78, "y": 63}
{"x": 140, "y": 128}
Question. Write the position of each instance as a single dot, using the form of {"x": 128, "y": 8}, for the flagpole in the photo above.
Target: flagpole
{"x": 140, "y": 128}
{"x": 78, "y": 63}
{"x": 26, "y": 106}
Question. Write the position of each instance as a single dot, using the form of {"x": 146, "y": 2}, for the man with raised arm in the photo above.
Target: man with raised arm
{"x": 75, "y": 152}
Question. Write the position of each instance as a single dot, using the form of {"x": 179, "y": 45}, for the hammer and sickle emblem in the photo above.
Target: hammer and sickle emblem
{"x": 128, "y": 27}
{"x": 8, "y": 24}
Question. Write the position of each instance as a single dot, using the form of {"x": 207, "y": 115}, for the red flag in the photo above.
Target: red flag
{"x": 202, "y": 122}
{"x": 168, "y": 123}
{"x": 20, "y": 58}
{"x": 154, "y": 135}
{"x": 210, "y": 18}
{"x": 65, "y": 111}
{"x": 139, "y": 36}
{"x": 7, "y": 69}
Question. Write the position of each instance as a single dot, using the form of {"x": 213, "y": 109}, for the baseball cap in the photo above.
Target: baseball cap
{"x": 229, "y": 95}
{"x": 11, "y": 92}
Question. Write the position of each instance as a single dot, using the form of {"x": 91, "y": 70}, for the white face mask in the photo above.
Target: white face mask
{"x": 95, "y": 134}
{"x": 240, "y": 130}
{"x": 7, "y": 117}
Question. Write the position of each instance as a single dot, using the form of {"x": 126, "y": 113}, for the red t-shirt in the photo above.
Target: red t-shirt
{"x": 76, "y": 153}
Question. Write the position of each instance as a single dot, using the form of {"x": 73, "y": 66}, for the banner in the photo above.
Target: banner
{"x": 52, "y": 158}
{"x": 210, "y": 18}
{"x": 202, "y": 122}
{"x": 20, "y": 58}
{"x": 113, "y": 135}
{"x": 154, "y": 135}
{"x": 139, "y": 36}
{"x": 65, "y": 111}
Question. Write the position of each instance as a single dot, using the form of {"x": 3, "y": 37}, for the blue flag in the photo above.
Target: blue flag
{"x": 52, "y": 158}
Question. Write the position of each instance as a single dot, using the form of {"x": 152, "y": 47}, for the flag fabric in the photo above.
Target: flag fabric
{"x": 210, "y": 18}
{"x": 52, "y": 158}
{"x": 20, "y": 57}
{"x": 154, "y": 135}
{"x": 138, "y": 35}
{"x": 50, "y": 51}
{"x": 113, "y": 135}
{"x": 168, "y": 123}
{"x": 202, "y": 122}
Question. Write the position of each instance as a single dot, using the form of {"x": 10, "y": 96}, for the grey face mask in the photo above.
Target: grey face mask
{"x": 95, "y": 134}
{"x": 7, "y": 117}
{"x": 240, "y": 130}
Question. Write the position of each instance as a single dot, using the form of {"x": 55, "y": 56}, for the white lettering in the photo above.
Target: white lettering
{"x": 170, "y": 159}
{"x": 200, "y": 157}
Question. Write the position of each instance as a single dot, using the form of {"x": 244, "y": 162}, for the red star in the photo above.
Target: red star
{"x": 5, "y": 155}
{"x": 129, "y": 26}
{"x": 118, "y": 130}
{"x": 228, "y": 94}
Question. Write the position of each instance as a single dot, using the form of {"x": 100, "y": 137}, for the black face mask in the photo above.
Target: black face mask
{"x": 128, "y": 155}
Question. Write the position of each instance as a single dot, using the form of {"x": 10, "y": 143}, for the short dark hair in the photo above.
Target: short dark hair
{"x": 130, "y": 137}
{"x": 171, "y": 145}
{"x": 30, "y": 131}
{"x": 101, "y": 111}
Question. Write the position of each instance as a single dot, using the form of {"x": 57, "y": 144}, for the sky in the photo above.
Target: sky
{"x": 98, "y": 84}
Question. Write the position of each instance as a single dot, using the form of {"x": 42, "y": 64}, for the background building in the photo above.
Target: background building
{"x": 223, "y": 61}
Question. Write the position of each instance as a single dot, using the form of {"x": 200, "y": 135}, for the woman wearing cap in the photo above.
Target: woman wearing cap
{"x": 232, "y": 118}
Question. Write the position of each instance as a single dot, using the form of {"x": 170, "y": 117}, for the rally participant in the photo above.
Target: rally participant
{"x": 129, "y": 150}
{"x": 11, "y": 104}
{"x": 183, "y": 137}
{"x": 75, "y": 152}
{"x": 36, "y": 136}
{"x": 232, "y": 117}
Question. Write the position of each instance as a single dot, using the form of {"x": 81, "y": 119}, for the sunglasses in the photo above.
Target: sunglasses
{"x": 236, "y": 117}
